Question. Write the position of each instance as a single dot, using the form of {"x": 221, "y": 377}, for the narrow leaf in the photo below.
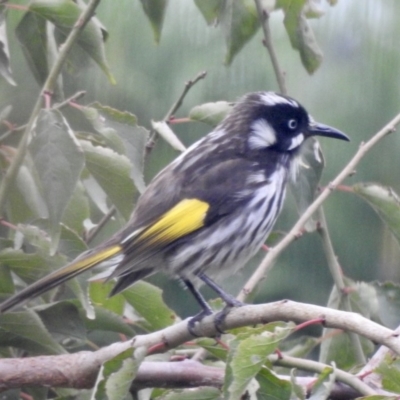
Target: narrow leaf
{"x": 163, "y": 129}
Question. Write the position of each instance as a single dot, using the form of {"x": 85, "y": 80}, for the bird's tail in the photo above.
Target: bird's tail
{"x": 71, "y": 270}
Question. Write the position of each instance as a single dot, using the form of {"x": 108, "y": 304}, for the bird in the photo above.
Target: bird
{"x": 211, "y": 209}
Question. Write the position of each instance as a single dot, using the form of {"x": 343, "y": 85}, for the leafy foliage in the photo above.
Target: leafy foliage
{"x": 78, "y": 177}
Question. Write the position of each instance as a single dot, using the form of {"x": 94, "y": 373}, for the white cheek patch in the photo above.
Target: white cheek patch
{"x": 262, "y": 135}
{"x": 296, "y": 141}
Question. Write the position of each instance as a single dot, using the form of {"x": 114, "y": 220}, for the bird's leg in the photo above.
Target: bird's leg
{"x": 206, "y": 309}
{"x": 229, "y": 300}
{"x": 226, "y": 297}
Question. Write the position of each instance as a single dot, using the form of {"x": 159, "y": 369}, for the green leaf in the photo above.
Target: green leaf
{"x": 58, "y": 160}
{"x": 64, "y": 14}
{"x": 211, "y": 113}
{"x": 29, "y": 196}
{"x": 155, "y": 11}
{"x": 298, "y": 390}
{"x": 122, "y": 134}
{"x": 210, "y": 9}
{"x": 112, "y": 171}
{"x": 163, "y": 129}
{"x": 26, "y": 331}
{"x": 337, "y": 346}
{"x": 32, "y": 35}
{"x": 385, "y": 201}
{"x": 5, "y": 69}
{"x": 63, "y": 321}
{"x": 390, "y": 371}
{"x": 28, "y": 266}
{"x": 107, "y": 320}
{"x": 300, "y": 33}
{"x": 272, "y": 387}
{"x": 116, "y": 375}
{"x": 147, "y": 301}
{"x": 247, "y": 354}
{"x": 304, "y": 183}
{"x": 77, "y": 210}
{"x": 71, "y": 244}
{"x": 214, "y": 348}
{"x": 322, "y": 387}
{"x": 99, "y": 293}
{"x": 239, "y": 21}
{"x": 386, "y": 302}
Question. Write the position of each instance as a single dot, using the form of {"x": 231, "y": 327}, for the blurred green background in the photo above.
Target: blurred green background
{"x": 357, "y": 89}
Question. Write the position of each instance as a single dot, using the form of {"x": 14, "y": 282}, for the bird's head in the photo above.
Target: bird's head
{"x": 275, "y": 122}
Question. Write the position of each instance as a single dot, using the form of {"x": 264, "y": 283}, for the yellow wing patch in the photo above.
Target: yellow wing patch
{"x": 185, "y": 217}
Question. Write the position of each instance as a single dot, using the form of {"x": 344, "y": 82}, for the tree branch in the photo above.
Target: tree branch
{"x": 79, "y": 370}
{"x": 264, "y": 21}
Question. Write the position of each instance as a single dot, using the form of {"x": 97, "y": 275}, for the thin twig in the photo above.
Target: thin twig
{"x": 57, "y": 106}
{"x": 264, "y": 21}
{"x": 336, "y": 273}
{"x": 92, "y": 234}
{"x": 48, "y": 86}
{"x": 188, "y": 85}
{"x": 273, "y": 253}
{"x": 317, "y": 367}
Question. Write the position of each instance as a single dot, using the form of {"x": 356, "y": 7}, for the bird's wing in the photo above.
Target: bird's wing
{"x": 196, "y": 202}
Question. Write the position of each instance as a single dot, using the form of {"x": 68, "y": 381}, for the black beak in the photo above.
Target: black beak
{"x": 316, "y": 129}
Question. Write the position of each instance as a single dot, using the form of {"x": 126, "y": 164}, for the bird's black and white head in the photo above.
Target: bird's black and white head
{"x": 276, "y": 122}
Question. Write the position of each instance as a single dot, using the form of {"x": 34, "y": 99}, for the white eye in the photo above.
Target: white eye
{"x": 292, "y": 124}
